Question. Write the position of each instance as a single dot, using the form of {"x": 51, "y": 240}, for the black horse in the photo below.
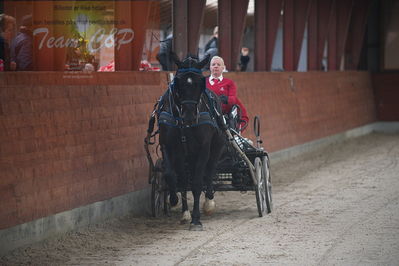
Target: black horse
{"x": 190, "y": 135}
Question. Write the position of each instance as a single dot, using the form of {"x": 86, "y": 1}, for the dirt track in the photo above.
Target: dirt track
{"x": 336, "y": 206}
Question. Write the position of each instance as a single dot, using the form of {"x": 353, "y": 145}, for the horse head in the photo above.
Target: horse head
{"x": 188, "y": 86}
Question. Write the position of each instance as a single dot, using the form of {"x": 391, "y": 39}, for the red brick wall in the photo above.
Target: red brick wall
{"x": 386, "y": 87}
{"x": 299, "y": 107}
{"x": 67, "y": 140}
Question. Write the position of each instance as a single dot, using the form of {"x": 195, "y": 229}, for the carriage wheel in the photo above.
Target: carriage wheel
{"x": 267, "y": 182}
{"x": 260, "y": 188}
{"x": 158, "y": 191}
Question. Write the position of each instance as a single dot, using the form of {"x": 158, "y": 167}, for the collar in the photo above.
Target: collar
{"x": 211, "y": 79}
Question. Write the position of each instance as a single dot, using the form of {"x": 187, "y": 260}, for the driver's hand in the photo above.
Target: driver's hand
{"x": 224, "y": 99}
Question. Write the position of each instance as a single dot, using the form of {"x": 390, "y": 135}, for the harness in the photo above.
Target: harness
{"x": 169, "y": 119}
{"x": 170, "y": 115}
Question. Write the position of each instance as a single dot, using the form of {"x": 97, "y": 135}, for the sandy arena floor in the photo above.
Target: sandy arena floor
{"x": 336, "y": 206}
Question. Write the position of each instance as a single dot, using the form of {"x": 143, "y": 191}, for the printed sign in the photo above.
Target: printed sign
{"x": 74, "y": 35}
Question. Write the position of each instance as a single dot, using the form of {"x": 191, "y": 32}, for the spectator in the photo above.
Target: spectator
{"x": 226, "y": 89}
{"x": 22, "y": 47}
{"x": 244, "y": 59}
{"x": 7, "y": 32}
{"x": 211, "y": 47}
{"x": 164, "y": 55}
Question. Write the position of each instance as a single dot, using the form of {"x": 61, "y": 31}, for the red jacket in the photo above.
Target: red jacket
{"x": 228, "y": 88}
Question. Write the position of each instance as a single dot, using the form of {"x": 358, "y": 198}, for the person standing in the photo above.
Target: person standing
{"x": 226, "y": 89}
{"x": 244, "y": 59}
{"x": 22, "y": 47}
{"x": 165, "y": 52}
{"x": 211, "y": 47}
{"x": 7, "y": 33}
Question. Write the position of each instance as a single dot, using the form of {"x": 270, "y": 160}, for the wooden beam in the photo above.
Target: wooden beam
{"x": 267, "y": 16}
{"x": 136, "y": 15}
{"x": 301, "y": 15}
{"x": 231, "y": 22}
{"x": 195, "y": 16}
{"x": 332, "y": 38}
{"x": 318, "y": 22}
{"x": 186, "y": 20}
{"x": 344, "y": 12}
{"x": 356, "y": 33}
{"x": 225, "y": 31}
{"x": 295, "y": 16}
{"x": 239, "y": 13}
{"x": 324, "y": 16}
{"x": 312, "y": 36}
{"x": 288, "y": 35}
{"x": 124, "y": 55}
{"x": 180, "y": 27}
{"x": 260, "y": 36}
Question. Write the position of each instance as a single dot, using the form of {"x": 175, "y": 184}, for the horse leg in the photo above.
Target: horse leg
{"x": 170, "y": 176}
{"x": 196, "y": 225}
{"x": 183, "y": 183}
{"x": 209, "y": 204}
{"x": 186, "y": 217}
{"x": 196, "y": 189}
{"x": 216, "y": 151}
{"x": 197, "y": 185}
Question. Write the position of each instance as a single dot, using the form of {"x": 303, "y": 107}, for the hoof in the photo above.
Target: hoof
{"x": 196, "y": 227}
{"x": 173, "y": 199}
{"x": 186, "y": 218}
{"x": 209, "y": 206}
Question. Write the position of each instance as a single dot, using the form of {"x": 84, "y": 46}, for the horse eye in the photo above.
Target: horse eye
{"x": 189, "y": 80}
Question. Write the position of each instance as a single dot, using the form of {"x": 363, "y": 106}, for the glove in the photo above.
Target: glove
{"x": 224, "y": 99}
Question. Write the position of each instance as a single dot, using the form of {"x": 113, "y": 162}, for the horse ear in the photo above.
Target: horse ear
{"x": 204, "y": 61}
{"x": 175, "y": 59}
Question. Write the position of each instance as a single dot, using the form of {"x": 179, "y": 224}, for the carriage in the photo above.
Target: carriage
{"x": 242, "y": 165}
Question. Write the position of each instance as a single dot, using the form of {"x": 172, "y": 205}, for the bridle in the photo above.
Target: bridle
{"x": 196, "y": 103}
